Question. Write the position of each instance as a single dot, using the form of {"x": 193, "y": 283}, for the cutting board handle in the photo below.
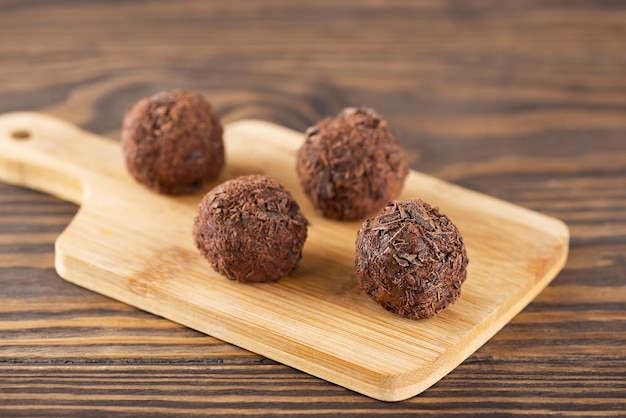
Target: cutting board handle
{"x": 46, "y": 154}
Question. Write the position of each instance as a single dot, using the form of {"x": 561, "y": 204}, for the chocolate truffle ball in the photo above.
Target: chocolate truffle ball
{"x": 351, "y": 165}
{"x": 411, "y": 259}
{"x": 172, "y": 142}
{"x": 250, "y": 229}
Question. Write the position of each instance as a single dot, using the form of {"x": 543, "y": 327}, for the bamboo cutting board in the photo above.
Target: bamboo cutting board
{"x": 136, "y": 246}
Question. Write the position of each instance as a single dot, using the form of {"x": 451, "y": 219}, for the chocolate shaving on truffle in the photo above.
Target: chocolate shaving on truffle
{"x": 250, "y": 229}
{"x": 351, "y": 165}
{"x": 411, "y": 259}
{"x": 172, "y": 142}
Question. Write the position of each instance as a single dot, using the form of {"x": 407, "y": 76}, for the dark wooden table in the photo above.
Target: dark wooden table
{"x": 525, "y": 101}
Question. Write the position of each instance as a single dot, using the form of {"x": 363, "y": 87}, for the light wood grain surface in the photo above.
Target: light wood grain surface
{"x": 525, "y": 101}
{"x": 136, "y": 246}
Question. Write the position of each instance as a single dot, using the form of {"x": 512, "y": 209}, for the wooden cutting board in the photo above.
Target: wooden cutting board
{"x": 136, "y": 246}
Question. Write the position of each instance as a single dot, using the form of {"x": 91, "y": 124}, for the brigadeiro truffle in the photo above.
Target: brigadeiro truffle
{"x": 172, "y": 142}
{"x": 351, "y": 165}
{"x": 250, "y": 229}
{"x": 411, "y": 259}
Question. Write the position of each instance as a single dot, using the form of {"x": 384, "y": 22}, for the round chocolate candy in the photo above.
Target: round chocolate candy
{"x": 172, "y": 142}
{"x": 351, "y": 165}
{"x": 411, "y": 259}
{"x": 250, "y": 229}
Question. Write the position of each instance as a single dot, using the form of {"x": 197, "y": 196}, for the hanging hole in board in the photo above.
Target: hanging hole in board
{"x": 20, "y": 134}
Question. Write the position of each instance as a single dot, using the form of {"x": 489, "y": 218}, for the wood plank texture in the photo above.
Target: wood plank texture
{"x": 136, "y": 246}
{"x": 525, "y": 101}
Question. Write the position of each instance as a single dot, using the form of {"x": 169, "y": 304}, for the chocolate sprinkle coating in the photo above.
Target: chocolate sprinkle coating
{"x": 411, "y": 259}
{"x": 172, "y": 142}
{"x": 251, "y": 229}
{"x": 351, "y": 165}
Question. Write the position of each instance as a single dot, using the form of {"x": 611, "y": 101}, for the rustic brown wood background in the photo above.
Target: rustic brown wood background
{"x": 524, "y": 100}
